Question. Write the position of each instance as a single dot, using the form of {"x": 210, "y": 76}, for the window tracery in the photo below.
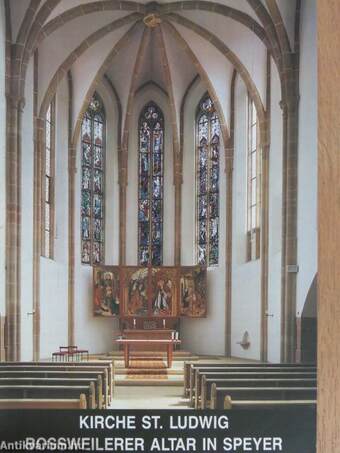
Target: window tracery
{"x": 150, "y": 186}
{"x": 208, "y": 174}
{"x": 92, "y": 183}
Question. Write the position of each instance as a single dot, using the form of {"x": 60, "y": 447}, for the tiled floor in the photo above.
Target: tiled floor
{"x": 149, "y": 397}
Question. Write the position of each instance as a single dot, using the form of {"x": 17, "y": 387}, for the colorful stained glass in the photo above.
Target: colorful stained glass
{"x": 85, "y": 228}
{"x": 92, "y": 183}
{"x": 208, "y": 172}
{"x": 98, "y": 157}
{"x": 86, "y": 180}
{"x": 150, "y": 185}
{"x": 98, "y": 206}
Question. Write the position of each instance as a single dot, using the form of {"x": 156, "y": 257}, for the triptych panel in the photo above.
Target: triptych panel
{"x": 159, "y": 292}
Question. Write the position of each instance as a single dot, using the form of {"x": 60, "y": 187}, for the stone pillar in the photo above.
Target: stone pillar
{"x": 178, "y": 181}
{"x": 122, "y": 204}
{"x": 71, "y": 240}
{"x": 39, "y": 129}
{"x": 289, "y": 226}
{"x": 229, "y": 168}
{"x": 264, "y": 240}
{"x": 15, "y": 107}
{"x": 229, "y": 242}
{"x": 265, "y": 148}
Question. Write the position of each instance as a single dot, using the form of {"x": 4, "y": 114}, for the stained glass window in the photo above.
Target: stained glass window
{"x": 150, "y": 186}
{"x": 253, "y": 177}
{"x": 48, "y": 183}
{"x": 92, "y": 183}
{"x": 208, "y": 175}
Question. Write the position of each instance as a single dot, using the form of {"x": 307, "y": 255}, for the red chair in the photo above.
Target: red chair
{"x": 70, "y": 353}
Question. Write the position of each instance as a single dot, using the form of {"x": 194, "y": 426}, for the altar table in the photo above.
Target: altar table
{"x": 127, "y": 342}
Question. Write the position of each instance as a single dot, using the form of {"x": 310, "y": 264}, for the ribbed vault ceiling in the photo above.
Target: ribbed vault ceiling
{"x": 164, "y": 43}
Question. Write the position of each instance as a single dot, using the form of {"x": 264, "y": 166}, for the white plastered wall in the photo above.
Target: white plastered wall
{"x": 246, "y": 276}
{"x": 307, "y": 167}
{"x": 96, "y": 333}
{"x": 202, "y": 336}
{"x": 150, "y": 93}
{"x": 2, "y": 157}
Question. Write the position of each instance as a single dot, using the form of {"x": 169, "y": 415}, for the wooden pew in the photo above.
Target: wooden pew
{"x": 47, "y": 381}
{"x": 218, "y": 394}
{"x": 266, "y": 404}
{"x": 66, "y": 369}
{"x": 243, "y": 367}
{"x": 108, "y": 364}
{"x": 59, "y": 374}
{"x": 202, "y": 400}
{"x": 245, "y": 373}
{"x": 44, "y": 403}
{"x": 49, "y": 392}
{"x": 189, "y": 368}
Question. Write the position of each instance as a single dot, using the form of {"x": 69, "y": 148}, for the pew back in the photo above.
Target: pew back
{"x": 203, "y": 402}
{"x": 218, "y": 394}
{"x": 50, "y": 392}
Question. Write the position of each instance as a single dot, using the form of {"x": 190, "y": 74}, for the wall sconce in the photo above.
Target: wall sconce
{"x": 245, "y": 343}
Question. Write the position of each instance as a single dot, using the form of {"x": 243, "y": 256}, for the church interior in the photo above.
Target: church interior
{"x": 158, "y": 192}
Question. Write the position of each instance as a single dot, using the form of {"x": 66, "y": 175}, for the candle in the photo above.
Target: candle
{"x": 134, "y": 322}
{"x": 177, "y": 335}
{"x": 164, "y": 323}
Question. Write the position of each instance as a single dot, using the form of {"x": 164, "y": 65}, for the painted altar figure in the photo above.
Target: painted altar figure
{"x": 163, "y": 292}
{"x": 106, "y": 293}
{"x": 110, "y": 294}
{"x": 193, "y": 292}
{"x": 160, "y": 303}
{"x": 137, "y": 303}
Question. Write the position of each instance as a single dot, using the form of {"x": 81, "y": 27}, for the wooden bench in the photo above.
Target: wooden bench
{"x": 218, "y": 394}
{"x": 108, "y": 364}
{"x": 266, "y": 404}
{"x": 44, "y": 403}
{"x": 48, "y": 381}
{"x": 235, "y": 373}
{"x": 243, "y": 367}
{"x": 49, "y": 392}
{"x": 67, "y": 368}
{"x": 189, "y": 368}
{"x": 202, "y": 400}
{"x": 60, "y": 374}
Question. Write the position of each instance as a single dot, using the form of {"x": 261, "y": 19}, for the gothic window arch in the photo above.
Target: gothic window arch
{"x": 150, "y": 185}
{"x": 253, "y": 183}
{"x": 48, "y": 188}
{"x": 208, "y": 137}
{"x": 93, "y": 183}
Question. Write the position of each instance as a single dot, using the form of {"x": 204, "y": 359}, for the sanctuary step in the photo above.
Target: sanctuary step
{"x": 177, "y": 355}
{"x": 148, "y": 368}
